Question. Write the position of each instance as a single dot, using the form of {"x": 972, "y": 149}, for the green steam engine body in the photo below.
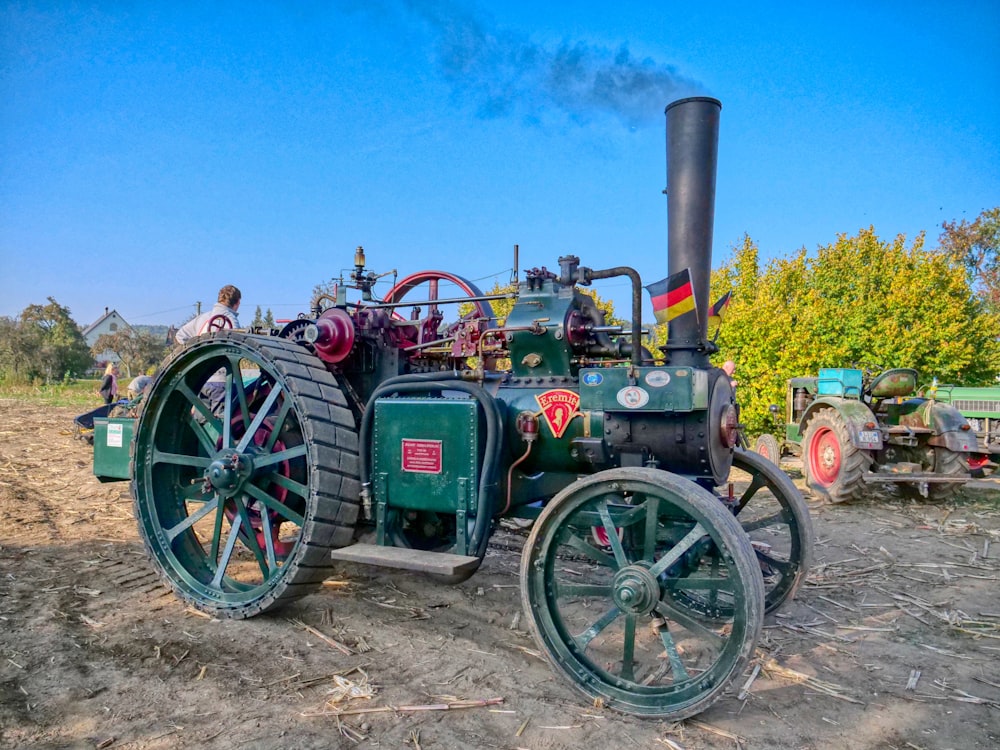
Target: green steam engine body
{"x": 380, "y": 431}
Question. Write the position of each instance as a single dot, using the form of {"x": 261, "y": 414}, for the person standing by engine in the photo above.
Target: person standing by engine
{"x": 109, "y": 383}
{"x": 729, "y": 367}
{"x": 222, "y": 315}
{"x": 215, "y": 319}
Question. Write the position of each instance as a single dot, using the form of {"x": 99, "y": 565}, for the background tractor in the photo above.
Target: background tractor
{"x": 379, "y": 430}
{"x": 853, "y": 429}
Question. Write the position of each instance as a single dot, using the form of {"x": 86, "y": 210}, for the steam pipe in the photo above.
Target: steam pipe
{"x": 571, "y": 273}
{"x": 692, "y": 160}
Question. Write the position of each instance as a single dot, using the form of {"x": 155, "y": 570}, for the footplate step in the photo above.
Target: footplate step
{"x": 439, "y": 563}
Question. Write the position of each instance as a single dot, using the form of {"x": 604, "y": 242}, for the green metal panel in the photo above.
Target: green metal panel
{"x": 981, "y": 403}
{"x": 537, "y": 337}
{"x": 655, "y": 389}
{"x": 426, "y": 453}
{"x": 112, "y": 438}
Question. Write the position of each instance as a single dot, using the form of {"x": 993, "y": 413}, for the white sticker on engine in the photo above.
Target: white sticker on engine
{"x": 115, "y": 433}
{"x": 657, "y": 378}
{"x": 633, "y": 397}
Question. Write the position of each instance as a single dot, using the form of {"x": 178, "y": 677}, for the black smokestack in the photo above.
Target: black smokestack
{"x": 692, "y": 158}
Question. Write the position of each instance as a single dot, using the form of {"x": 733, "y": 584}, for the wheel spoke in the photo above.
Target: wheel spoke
{"x": 202, "y": 409}
{"x": 670, "y": 612}
{"x": 249, "y": 537}
{"x": 763, "y": 522}
{"x": 223, "y": 560}
{"x": 678, "y": 549}
{"x": 673, "y": 656}
{"x": 652, "y": 522}
{"x": 180, "y": 459}
{"x": 269, "y": 502}
{"x": 296, "y": 488}
{"x": 195, "y": 493}
{"x": 286, "y": 455}
{"x": 783, "y": 566}
{"x": 216, "y": 535}
{"x": 258, "y": 419}
{"x": 612, "y": 532}
{"x": 571, "y": 590}
{"x": 227, "y": 412}
{"x": 600, "y": 624}
{"x": 279, "y": 421}
{"x": 756, "y": 483}
{"x": 572, "y": 539}
{"x": 628, "y": 648}
{"x": 190, "y": 520}
{"x": 241, "y": 392}
{"x": 266, "y": 530}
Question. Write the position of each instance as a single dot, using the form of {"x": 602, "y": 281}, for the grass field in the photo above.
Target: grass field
{"x": 80, "y": 393}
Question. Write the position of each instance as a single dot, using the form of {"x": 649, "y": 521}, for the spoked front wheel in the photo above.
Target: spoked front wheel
{"x": 598, "y": 578}
{"x": 244, "y": 473}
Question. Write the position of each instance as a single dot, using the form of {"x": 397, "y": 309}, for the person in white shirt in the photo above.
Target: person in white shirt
{"x": 222, "y": 315}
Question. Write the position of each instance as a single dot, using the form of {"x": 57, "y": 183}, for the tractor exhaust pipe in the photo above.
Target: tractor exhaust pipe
{"x": 692, "y": 158}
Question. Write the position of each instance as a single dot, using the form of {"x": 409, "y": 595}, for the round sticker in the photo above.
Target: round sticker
{"x": 657, "y": 378}
{"x": 592, "y": 378}
{"x": 633, "y": 397}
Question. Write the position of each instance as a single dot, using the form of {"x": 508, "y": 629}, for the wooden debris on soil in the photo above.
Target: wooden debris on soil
{"x": 452, "y": 706}
{"x": 323, "y": 637}
{"x": 821, "y": 686}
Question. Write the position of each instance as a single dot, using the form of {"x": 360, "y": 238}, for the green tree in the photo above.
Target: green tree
{"x": 43, "y": 343}
{"x": 859, "y": 301}
{"x": 137, "y": 350}
{"x": 977, "y": 246}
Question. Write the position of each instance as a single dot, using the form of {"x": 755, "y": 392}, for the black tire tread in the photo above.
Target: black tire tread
{"x": 333, "y": 504}
{"x": 854, "y": 463}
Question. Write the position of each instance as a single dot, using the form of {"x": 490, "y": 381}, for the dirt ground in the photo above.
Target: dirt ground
{"x": 894, "y": 641}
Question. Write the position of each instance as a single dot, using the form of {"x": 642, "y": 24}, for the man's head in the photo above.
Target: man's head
{"x": 230, "y": 296}
{"x": 729, "y": 367}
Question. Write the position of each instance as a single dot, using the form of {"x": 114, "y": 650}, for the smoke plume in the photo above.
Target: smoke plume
{"x": 506, "y": 74}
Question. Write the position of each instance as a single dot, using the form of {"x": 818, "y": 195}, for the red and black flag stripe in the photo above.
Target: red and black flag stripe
{"x": 672, "y": 296}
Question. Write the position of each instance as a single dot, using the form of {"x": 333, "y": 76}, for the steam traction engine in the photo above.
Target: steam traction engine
{"x": 383, "y": 432}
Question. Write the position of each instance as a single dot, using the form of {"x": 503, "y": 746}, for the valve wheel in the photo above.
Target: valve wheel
{"x": 433, "y": 279}
{"x": 240, "y": 495}
{"x": 218, "y": 323}
{"x": 604, "y": 616}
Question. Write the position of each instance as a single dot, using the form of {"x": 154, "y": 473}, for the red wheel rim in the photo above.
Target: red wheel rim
{"x": 824, "y": 456}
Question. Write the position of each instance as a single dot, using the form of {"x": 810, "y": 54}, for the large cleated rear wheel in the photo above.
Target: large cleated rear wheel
{"x": 598, "y": 576}
{"x": 775, "y": 517}
{"x": 833, "y": 466}
{"x": 242, "y": 488}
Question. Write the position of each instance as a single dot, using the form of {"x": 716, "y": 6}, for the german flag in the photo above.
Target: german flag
{"x": 719, "y": 309}
{"x": 672, "y": 296}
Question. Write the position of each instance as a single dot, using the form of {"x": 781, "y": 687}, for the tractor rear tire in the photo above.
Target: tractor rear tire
{"x": 946, "y": 463}
{"x": 767, "y": 446}
{"x": 833, "y": 466}
{"x": 950, "y": 464}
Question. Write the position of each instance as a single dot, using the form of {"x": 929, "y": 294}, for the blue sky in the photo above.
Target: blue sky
{"x": 151, "y": 152}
